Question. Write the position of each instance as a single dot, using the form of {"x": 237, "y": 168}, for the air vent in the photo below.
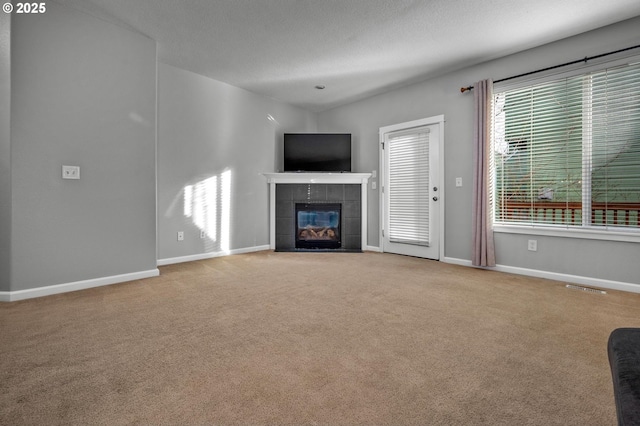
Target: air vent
{"x": 587, "y": 289}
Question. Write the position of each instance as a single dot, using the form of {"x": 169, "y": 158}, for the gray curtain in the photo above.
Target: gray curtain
{"x": 482, "y": 252}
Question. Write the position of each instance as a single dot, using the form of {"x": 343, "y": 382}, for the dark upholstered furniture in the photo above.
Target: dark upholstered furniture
{"x": 624, "y": 358}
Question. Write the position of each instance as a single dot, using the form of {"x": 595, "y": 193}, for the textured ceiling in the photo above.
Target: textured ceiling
{"x": 356, "y": 48}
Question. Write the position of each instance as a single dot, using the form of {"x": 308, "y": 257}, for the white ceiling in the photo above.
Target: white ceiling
{"x": 356, "y": 48}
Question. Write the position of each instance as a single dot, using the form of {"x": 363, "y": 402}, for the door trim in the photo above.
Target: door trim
{"x": 438, "y": 119}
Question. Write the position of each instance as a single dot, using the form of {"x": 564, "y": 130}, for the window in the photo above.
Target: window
{"x": 566, "y": 153}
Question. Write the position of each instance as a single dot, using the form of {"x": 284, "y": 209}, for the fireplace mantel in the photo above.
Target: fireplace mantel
{"x": 273, "y": 179}
{"x": 348, "y": 178}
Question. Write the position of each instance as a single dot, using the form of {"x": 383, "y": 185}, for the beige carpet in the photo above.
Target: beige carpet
{"x": 300, "y": 338}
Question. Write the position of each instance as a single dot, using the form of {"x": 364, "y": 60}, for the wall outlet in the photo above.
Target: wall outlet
{"x": 70, "y": 172}
{"x": 180, "y": 236}
{"x": 532, "y": 245}
{"x": 374, "y": 185}
{"x": 458, "y": 182}
{"x": 203, "y": 234}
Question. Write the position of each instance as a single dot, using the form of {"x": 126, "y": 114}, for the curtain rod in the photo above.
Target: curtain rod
{"x": 577, "y": 61}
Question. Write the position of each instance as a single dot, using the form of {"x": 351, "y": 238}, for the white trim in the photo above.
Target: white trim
{"x": 632, "y": 236}
{"x": 11, "y": 296}
{"x": 442, "y": 185}
{"x": 557, "y": 276}
{"x": 381, "y": 193}
{"x": 361, "y": 179}
{"x": 338, "y": 178}
{"x": 202, "y": 256}
{"x": 457, "y": 261}
{"x": 373, "y": 248}
{"x": 272, "y": 215}
{"x": 155, "y": 154}
{"x": 437, "y": 119}
{"x": 364, "y": 209}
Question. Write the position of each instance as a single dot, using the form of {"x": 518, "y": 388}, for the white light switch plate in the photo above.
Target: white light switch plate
{"x": 70, "y": 172}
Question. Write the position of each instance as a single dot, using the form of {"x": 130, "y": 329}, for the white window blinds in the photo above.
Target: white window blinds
{"x": 567, "y": 152}
{"x": 409, "y": 187}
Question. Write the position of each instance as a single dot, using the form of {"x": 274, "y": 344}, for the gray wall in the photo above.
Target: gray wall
{"x": 208, "y": 131}
{"x": 441, "y": 95}
{"x": 83, "y": 93}
{"x": 5, "y": 151}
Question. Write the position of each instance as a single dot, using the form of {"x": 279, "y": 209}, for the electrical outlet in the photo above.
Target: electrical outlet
{"x": 374, "y": 185}
{"x": 180, "y": 236}
{"x": 70, "y": 172}
{"x": 458, "y": 182}
{"x": 532, "y": 245}
{"x": 203, "y": 234}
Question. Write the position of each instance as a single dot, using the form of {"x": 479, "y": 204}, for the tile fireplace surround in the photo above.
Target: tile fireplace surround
{"x": 337, "y": 183}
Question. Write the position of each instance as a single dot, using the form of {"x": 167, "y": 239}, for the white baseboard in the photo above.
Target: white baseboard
{"x": 574, "y": 279}
{"x": 12, "y": 296}
{"x": 456, "y": 261}
{"x": 202, "y": 256}
{"x": 373, "y": 248}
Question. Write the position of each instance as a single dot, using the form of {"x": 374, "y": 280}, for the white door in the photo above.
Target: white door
{"x": 411, "y": 188}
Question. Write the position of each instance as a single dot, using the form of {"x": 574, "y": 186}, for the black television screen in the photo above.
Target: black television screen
{"x": 317, "y": 152}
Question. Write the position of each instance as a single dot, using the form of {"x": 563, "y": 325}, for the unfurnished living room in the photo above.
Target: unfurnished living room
{"x": 320, "y": 212}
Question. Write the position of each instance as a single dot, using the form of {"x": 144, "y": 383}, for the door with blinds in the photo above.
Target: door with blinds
{"x": 411, "y": 191}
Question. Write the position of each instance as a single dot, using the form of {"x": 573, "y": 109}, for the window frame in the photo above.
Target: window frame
{"x": 609, "y": 233}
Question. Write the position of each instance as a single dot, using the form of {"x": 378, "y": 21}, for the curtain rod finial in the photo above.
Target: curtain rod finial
{"x": 465, "y": 89}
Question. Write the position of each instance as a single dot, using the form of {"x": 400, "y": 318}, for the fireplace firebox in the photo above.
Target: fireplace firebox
{"x": 318, "y": 225}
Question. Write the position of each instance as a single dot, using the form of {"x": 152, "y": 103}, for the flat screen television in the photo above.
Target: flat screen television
{"x": 317, "y": 152}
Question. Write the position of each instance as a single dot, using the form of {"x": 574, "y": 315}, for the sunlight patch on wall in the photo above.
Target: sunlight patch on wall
{"x": 208, "y": 204}
{"x": 225, "y": 220}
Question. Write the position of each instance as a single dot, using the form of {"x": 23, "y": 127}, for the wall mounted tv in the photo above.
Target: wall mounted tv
{"x": 317, "y": 152}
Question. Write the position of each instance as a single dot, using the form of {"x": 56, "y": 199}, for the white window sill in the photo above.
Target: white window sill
{"x": 564, "y": 232}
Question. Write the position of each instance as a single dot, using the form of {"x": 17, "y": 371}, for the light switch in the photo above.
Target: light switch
{"x": 374, "y": 174}
{"x": 458, "y": 182}
{"x": 70, "y": 172}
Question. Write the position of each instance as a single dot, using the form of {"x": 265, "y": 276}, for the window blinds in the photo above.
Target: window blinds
{"x": 615, "y": 146}
{"x": 567, "y": 152}
{"x": 408, "y": 187}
